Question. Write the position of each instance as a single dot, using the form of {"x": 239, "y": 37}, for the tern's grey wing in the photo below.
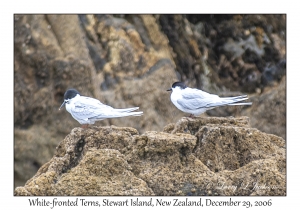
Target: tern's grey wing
{"x": 88, "y": 108}
{"x": 193, "y": 99}
{"x": 194, "y": 103}
{"x": 193, "y": 93}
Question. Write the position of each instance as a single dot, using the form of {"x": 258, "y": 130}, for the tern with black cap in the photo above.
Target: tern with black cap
{"x": 196, "y": 102}
{"x": 88, "y": 110}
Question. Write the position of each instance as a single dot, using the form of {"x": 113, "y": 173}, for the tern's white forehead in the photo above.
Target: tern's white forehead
{"x": 76, "y": 97}
{"x": 176, "y": 88}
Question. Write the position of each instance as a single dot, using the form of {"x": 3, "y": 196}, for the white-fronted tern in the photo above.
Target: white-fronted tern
{"x": 88, "y": 110}
{"x": 196, "y": 102}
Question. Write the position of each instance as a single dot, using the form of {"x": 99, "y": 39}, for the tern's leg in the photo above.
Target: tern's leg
{"x": 85, "y": 126}
{"x": 192, "y": 116}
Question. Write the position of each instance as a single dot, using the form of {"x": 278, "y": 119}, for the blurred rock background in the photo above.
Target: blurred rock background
{"x": 130, "y": 60}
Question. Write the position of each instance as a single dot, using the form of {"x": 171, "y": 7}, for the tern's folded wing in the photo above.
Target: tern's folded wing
{"x": 89, "y": 108}
{"x": 193, "y": 93}
{"x": 193, "y": 99}
{"x": 193, "y": 103}
{"x": 208, "y": 102}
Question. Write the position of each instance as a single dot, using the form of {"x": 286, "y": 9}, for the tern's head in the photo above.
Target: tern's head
{"x": 177, "y": 85}
{"x": 69, "y": 94}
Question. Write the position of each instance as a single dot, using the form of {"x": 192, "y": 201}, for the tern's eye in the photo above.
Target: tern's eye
{"x": 67, "y": 101}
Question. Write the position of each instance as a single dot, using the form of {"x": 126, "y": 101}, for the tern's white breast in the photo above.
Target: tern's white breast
{"x": 176, "y": 94}
{"x": 71, "y": 104}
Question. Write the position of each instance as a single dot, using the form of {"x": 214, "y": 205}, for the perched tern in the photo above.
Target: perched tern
{"x": 88, "y": 110}
{"x": 196, "y": 102}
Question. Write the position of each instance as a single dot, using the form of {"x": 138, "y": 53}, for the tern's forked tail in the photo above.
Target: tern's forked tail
{"x": 127, "y": 110}
{"x": 125, "y": 114}
{"x": 245, "y": 103}
{"x": 233, "y": 100}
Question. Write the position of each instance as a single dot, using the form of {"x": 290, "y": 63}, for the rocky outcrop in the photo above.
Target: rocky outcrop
{"x": 202, "y": 156}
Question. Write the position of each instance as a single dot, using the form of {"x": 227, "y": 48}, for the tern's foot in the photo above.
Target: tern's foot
{"x": 188, "y": 118}
{"x": 191, "y": 116}
{"x": 85, "y": 126}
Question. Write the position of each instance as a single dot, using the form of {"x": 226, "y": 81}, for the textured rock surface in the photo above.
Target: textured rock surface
{"x": 204, "y": 156}
{"x": 269, "y": 108}
{"x": 130, "y": 60}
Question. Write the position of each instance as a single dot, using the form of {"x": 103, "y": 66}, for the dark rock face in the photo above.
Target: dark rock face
{"x": 243, "y": 52}
{"x": 130, "y": 60}
{"x": 205, "y": 156}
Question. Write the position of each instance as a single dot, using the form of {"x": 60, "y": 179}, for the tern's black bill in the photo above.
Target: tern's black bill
{"x": 169, "y": 89}
{"x": 62, "y": 105}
